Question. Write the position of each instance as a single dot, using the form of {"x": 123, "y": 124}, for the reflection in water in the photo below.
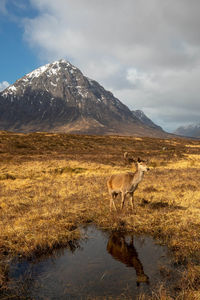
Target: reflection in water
{"x": 125, "y": 252}
{"x": 86, "y": 269}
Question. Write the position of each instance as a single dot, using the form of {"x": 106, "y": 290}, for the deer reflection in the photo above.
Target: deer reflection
{"x": 125, "y": 252}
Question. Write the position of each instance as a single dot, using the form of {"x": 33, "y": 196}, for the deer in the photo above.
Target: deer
{"x": 126, "y": 183}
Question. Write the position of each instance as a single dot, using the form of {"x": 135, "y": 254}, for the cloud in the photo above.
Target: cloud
{"x": 146, "y": 52}
{"x": 3, "y": 85}
{"x": 3, "y": 9}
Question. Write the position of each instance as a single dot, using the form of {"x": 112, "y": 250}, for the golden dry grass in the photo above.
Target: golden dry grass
{"x": 51, "y": 184}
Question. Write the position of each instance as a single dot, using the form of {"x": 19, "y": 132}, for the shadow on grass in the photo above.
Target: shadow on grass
{"x": 160, "y": 205}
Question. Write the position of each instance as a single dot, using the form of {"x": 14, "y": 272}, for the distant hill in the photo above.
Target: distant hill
{"x": 57, "y": 97}
{"x": 189, "y": 131}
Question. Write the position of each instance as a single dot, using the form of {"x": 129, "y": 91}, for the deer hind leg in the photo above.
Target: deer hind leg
{"x": 112, "y": 203}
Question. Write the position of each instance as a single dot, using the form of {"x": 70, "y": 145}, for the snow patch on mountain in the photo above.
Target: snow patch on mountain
{"x": 37, "y": 72}
{"x": 10, "y": 90}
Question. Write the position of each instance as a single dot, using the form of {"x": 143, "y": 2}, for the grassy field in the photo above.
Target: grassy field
{"x": 52, "y": 183}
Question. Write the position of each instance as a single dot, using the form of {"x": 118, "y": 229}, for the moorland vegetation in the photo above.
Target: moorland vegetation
{"x": 50, "y": 184}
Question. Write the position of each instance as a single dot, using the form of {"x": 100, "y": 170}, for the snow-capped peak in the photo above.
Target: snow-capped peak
{"x": 51, "y": 68}
{"x": 37, "y": 72}
{"x": 51, "y": 71}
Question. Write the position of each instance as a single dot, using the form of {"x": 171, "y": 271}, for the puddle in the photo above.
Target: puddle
{"x": 101, "y": 265}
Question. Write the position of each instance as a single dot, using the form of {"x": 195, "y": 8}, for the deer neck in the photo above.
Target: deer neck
{"x": 138, "y": 176}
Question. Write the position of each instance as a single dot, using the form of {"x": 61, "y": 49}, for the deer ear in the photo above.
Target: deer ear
{"x": 125, "y": 155}
{"x": 128, "y": 159}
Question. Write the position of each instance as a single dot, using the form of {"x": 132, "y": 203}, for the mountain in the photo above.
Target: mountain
{"x": 57, "y": 97}
{"x": 190, "y": 130}
{"x": 145, "y": 120}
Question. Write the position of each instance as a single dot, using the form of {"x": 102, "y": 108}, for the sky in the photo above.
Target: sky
{"x": 147, "y": 52}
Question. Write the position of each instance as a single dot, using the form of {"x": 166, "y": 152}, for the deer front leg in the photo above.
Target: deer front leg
{"x": 113, "y": 196}
{"x": 132, "y": 201}
{"x": 123, "y": 199}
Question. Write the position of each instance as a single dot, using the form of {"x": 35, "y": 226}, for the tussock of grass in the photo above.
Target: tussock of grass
{"x": 58, "y": 182}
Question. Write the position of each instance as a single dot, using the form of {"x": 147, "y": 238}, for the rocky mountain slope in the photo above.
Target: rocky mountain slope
{"x": 145, "y": 120}
{"x": 58, "y": 97}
